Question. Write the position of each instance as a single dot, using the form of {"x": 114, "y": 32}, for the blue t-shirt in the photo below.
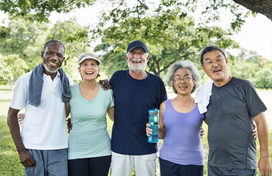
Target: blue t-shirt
{"x": 133, "y": 98}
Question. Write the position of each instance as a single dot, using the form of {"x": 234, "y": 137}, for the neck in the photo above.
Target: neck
{"x": 222, "y": 82}
{"x": 90, "y": 84}
{"x": 139, "y": 76}
{"x": 185, "y": 98}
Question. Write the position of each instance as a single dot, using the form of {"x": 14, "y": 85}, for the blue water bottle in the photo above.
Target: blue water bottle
{"x": 153, "y": 121}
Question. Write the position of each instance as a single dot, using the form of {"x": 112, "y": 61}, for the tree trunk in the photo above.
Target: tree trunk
{"x": 260, "y": 6}
{"x": 11, "y": 83}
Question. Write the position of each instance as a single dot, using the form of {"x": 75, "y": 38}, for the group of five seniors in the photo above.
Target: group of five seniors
{"x": 44, "y": 93}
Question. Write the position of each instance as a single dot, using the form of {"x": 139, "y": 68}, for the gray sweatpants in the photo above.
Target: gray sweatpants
{"x": 48, "y": 163}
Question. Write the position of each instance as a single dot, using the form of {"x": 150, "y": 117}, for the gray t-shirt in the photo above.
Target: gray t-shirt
{"x": 230, "y": 119}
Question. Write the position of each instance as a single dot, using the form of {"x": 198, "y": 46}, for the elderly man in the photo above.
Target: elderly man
{"x": 42, "y": 143}
{"x": 135, "y": 92}
{"x": 234, "y": 105}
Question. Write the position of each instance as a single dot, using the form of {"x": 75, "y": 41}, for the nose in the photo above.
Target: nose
{"x": 136, "y": 55}
{"x": 54, "y": 56}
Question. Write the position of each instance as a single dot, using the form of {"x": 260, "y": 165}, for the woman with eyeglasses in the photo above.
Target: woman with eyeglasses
{"x": 180, "y": 123}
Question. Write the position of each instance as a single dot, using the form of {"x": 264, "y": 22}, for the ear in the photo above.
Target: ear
{"x": 203, "y": 68}
{"x": 147, "y": 59}
{"x": 42, "y": 53}
{"x": 79, "y": 70}
{"x": 126, "y": 57}
{"x": 227, "y": 61}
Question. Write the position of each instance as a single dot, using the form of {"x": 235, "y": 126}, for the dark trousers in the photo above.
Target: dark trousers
{"x": 168, "y": 168}
{"x": 98, "y": 166}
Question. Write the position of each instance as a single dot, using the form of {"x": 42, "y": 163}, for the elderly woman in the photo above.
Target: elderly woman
{"x": 179, "y": 124}
{"x": 89, "y": 151}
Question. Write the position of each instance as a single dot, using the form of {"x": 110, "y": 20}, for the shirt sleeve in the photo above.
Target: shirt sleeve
{"x": 253, "y": 101}
{"x": 20, "y": 94}
{"x": 162, "y": 96}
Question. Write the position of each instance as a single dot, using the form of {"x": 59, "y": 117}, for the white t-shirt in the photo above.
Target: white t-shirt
{"x": 44, "y": 127}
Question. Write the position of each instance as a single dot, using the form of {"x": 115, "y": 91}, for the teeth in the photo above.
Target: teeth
{"x": 52, "y": 63}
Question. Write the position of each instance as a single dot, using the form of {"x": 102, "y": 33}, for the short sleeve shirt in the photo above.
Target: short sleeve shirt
{"x": 133, "y": 98}
{"x": 230, "y": 120}
{"x": 89, "y": 136}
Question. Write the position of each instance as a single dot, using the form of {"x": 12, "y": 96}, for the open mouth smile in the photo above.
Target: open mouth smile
{"x": 217, "y": 70}
{"x": 89, "y": 73}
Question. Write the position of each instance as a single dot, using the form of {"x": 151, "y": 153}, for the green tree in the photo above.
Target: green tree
{"x": 76, "y": 40}
{"x": 26, "y": 35}
{"x": 168, "y": 36}
{"x": 13, "y": 68}
{"x": 264, "y": 78}
{"x": 245, "y": 65}
{"x": 40, "y": 10}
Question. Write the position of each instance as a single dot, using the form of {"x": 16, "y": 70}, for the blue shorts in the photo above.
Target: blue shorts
{"x": 48, "y": 163}
{"x": 224, "y": 171}
{"x": 168, "y": 168}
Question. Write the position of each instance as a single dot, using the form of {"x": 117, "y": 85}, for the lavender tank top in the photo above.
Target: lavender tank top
{"x": 182, "y": 143}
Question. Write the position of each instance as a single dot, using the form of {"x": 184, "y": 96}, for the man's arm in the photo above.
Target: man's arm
{"x": 263, "y": 131}
{"x": 14, "y": 128}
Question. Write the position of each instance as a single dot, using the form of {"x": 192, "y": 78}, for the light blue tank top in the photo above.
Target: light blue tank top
{"x": 182, "y": 143}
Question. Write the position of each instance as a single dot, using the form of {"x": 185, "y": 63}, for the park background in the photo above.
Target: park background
{"x": 173, "y": 30}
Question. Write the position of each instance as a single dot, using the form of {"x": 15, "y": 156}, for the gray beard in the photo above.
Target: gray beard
{"x": 48, "y": 70}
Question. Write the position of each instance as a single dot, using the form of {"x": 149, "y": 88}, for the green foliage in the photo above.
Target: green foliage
{"x": 12, "y": 67}
{"x": 169, "y": 37}
{"x": 40, "y": 10}
{"x": 263, "y": 78}
{"x": 24, "y": 33}
{"x": 76, "y": 41}
{"x": 4, "y": 33}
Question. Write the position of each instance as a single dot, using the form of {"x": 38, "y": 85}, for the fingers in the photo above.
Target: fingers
{"x": 202, "y": 132}
{"x": 148, "y": 130}
{"x": 26, "y": 159}
{"x": 255, "y": 132}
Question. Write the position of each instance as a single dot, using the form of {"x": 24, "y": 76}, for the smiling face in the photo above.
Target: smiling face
{"x": 89, "y": 69}
{"x": 52, "y": 57}
{"x": 183, "y": 81}
{"x": 137, "y": 60}
{"x": 215, "y": 65}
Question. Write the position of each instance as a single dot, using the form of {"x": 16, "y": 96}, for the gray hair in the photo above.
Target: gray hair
{"x": 169, "y": 77}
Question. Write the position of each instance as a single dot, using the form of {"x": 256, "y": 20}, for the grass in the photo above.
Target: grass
{"x": 9, "y": 160}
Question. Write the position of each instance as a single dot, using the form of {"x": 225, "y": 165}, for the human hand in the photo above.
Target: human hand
{"x": 69, "y": 125}
{"x": 26, "y": 158}
{"x": 202, "y": 132}
{"x": 148, "y": 130}
{"x": 105, "y": 84}
{"x": 21, "y": 118}
{"x": 264, "y": 165}
{"x": 255, "y": 132}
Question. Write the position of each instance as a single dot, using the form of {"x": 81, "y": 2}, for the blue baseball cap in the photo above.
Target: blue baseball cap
{"x": 137, "y": 44}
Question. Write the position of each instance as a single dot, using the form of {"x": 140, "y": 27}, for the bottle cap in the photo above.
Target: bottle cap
{"x": 153, "y": 111}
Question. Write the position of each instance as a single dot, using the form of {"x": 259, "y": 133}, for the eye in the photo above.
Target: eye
{"x": 187, "y": 78}
{"x": 49, "y": 53}
{"x": 177, "y": 79}
{"x": 60, "y": 55}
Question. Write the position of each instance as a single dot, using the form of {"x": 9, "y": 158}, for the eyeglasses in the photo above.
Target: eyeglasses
{"x": 216, "y": 61}
{"x": 186, "y": 79}
{"x": 59, "y": 55}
